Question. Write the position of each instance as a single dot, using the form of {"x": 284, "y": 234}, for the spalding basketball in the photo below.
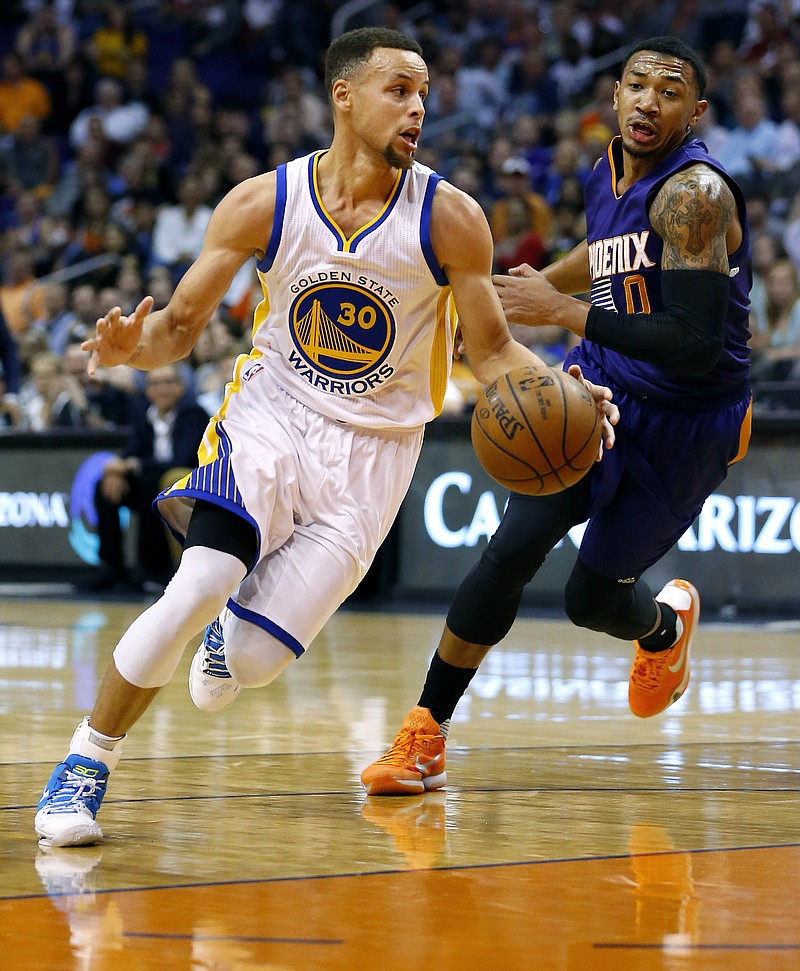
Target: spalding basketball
{"x": 536, "y": 430}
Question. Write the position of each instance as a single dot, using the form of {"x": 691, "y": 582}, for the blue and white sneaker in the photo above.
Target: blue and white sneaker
{"x": 67, "y": 809}
{"x": 210, "y": 683}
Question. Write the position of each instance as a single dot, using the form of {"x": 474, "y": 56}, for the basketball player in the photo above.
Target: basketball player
{"x": 668, "y": 265}
{"x": 363, "y": 255}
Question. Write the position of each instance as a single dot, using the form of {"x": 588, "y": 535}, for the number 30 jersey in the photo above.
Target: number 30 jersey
{"x": 358, "y": 328}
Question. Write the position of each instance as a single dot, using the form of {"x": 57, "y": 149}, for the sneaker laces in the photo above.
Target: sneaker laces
{"x": 402, "y": 747}
{"x": 214, "y": 652}
{"x": 76, "y": 792}
{"x": 648, "y": 667}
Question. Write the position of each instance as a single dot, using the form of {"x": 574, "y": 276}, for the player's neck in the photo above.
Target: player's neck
{"x": 353, "y": 177}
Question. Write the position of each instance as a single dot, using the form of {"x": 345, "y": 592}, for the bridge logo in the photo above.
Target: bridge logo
{"x": 342, "y": 330}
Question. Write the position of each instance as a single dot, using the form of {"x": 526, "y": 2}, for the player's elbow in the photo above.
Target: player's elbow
{"x": 696, "y": 361}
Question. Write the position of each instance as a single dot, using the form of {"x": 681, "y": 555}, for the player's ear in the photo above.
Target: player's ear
{"x": 699, "y": 110}
{"x": 615, "y": 99}
{"x": 340, "y": 94}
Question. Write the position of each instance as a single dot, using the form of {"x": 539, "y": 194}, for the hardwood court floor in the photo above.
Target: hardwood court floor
{"x": 572, "y": 835}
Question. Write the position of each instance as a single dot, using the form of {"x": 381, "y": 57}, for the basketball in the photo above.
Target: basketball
{"x": 536, "y": 430}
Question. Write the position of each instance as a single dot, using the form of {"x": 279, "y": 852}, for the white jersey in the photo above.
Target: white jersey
{"x": 360, "y": 329}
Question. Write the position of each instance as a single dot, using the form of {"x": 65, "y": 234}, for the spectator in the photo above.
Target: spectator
{"x": 9, "y": 378}
{"x": 787, "y": 145}
{"x": 108, "y": 405}
{"x": 32, "y": 161}
{"x": 568, "y": 164}
{"x": 120, "y": 121}
{"x": 569, "y": 228}
{"x": 85, "y": 169}
{"x": 515, "y": 183}
{"x": 20, "y": 95}
{"x": 51, "y": 398}
{"x": 723, "y": 68}
{"x": 764, "y": 32}
{"x": 291, "y": 92}
{"x": 714, "y": 135}
{"x": 58, "y": 322}
{"x": 166, "y": 429}
{"x": 766, "y": 249}
{"x": 483, "y": 84}
{"x": 21, "y": 301}
{"x": 179, "y": 230}
{"x": 90, "y": 218}
{"x": 777, "y": 348}
{"x": 573, "y": 70}
{"x": 114, "y": 45}
{"x": 46, "y": 46}
{"x": 519, "y": 244}
{"x": 71, "y": 95}
{"x": 25, "y": 225}
{"x": 791, "y": 235}
{"x": 530, "y": 142}
{"x": 751, "y": 144}
{"x": 533, "y": 89}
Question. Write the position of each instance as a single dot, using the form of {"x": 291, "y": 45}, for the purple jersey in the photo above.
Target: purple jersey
{"x": 625, "y": 265}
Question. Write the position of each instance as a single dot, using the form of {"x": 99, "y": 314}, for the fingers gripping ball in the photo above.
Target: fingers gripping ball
{"x": 536, "y": 430}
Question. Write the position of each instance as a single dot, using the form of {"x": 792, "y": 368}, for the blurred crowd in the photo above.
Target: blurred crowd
{"x": 122, "y": 124}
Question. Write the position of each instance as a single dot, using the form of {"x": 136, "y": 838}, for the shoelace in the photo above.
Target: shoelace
{"x": 214, "y": 650}
{"x": 76, "y": 791}
{"x": 401, "y": 749}
{"x": 647, "y": 670}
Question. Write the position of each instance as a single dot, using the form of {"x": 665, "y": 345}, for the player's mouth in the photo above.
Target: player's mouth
{"x": 642, "y": 132}
{"x": 411, "y": 137}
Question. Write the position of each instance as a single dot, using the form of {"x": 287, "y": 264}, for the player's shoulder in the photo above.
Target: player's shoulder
{"x": 699, "y": 179}
{"x": 254, "y": 196}
{"x": 699, "y": 190}
{"x": 453, "y": 207}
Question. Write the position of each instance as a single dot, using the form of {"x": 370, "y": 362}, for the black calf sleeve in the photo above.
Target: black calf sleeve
{"x": 220, "y": 529}
{"x": 623, "y": 610}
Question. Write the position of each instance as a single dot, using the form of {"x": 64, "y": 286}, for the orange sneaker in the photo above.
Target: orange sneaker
{"x": 659, "y": 678}
{"x": 414, "y": 763}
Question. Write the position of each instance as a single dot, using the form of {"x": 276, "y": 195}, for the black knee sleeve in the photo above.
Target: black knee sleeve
{"x": 623, "y": 610}
{"x": 486, "y": 603}
{"x": 219, "y": 529}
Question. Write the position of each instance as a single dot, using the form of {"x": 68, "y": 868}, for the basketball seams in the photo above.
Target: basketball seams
{"x": 524, "y": 415}
{"x": 522, "y": 453}
{"x": 589, "y": 437}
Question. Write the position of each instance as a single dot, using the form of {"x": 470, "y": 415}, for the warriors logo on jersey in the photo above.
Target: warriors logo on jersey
{"x": 343, "y": 332}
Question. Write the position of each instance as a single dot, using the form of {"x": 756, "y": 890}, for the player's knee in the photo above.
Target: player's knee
{"x": 254, "y": 657}
{"x": 594, "y": 601}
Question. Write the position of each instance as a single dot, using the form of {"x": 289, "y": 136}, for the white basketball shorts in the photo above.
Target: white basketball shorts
{"x": 321, "y": 495}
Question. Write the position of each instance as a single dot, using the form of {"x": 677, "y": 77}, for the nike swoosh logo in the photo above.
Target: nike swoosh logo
{"x": 422, "y": 765}
{"x": 681, "y": 657}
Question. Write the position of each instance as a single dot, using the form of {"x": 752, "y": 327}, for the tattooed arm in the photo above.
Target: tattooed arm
{"x": 695, "y": 215}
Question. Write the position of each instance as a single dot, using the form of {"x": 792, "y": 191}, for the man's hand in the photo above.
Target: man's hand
{"x": 521, "y": 294}
{"x": 116, "y": 337}
{"x": 609, "y": 412}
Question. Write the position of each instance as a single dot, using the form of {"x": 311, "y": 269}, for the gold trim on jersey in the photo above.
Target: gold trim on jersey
{"x": 209, "y": 447}
{"x": 441, "y": 359}
{"x": 347, "y": 241}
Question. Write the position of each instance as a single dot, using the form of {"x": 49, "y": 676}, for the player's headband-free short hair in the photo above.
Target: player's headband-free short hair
{"x": 351, "y": 51}
{"x": 675, "y": 47}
